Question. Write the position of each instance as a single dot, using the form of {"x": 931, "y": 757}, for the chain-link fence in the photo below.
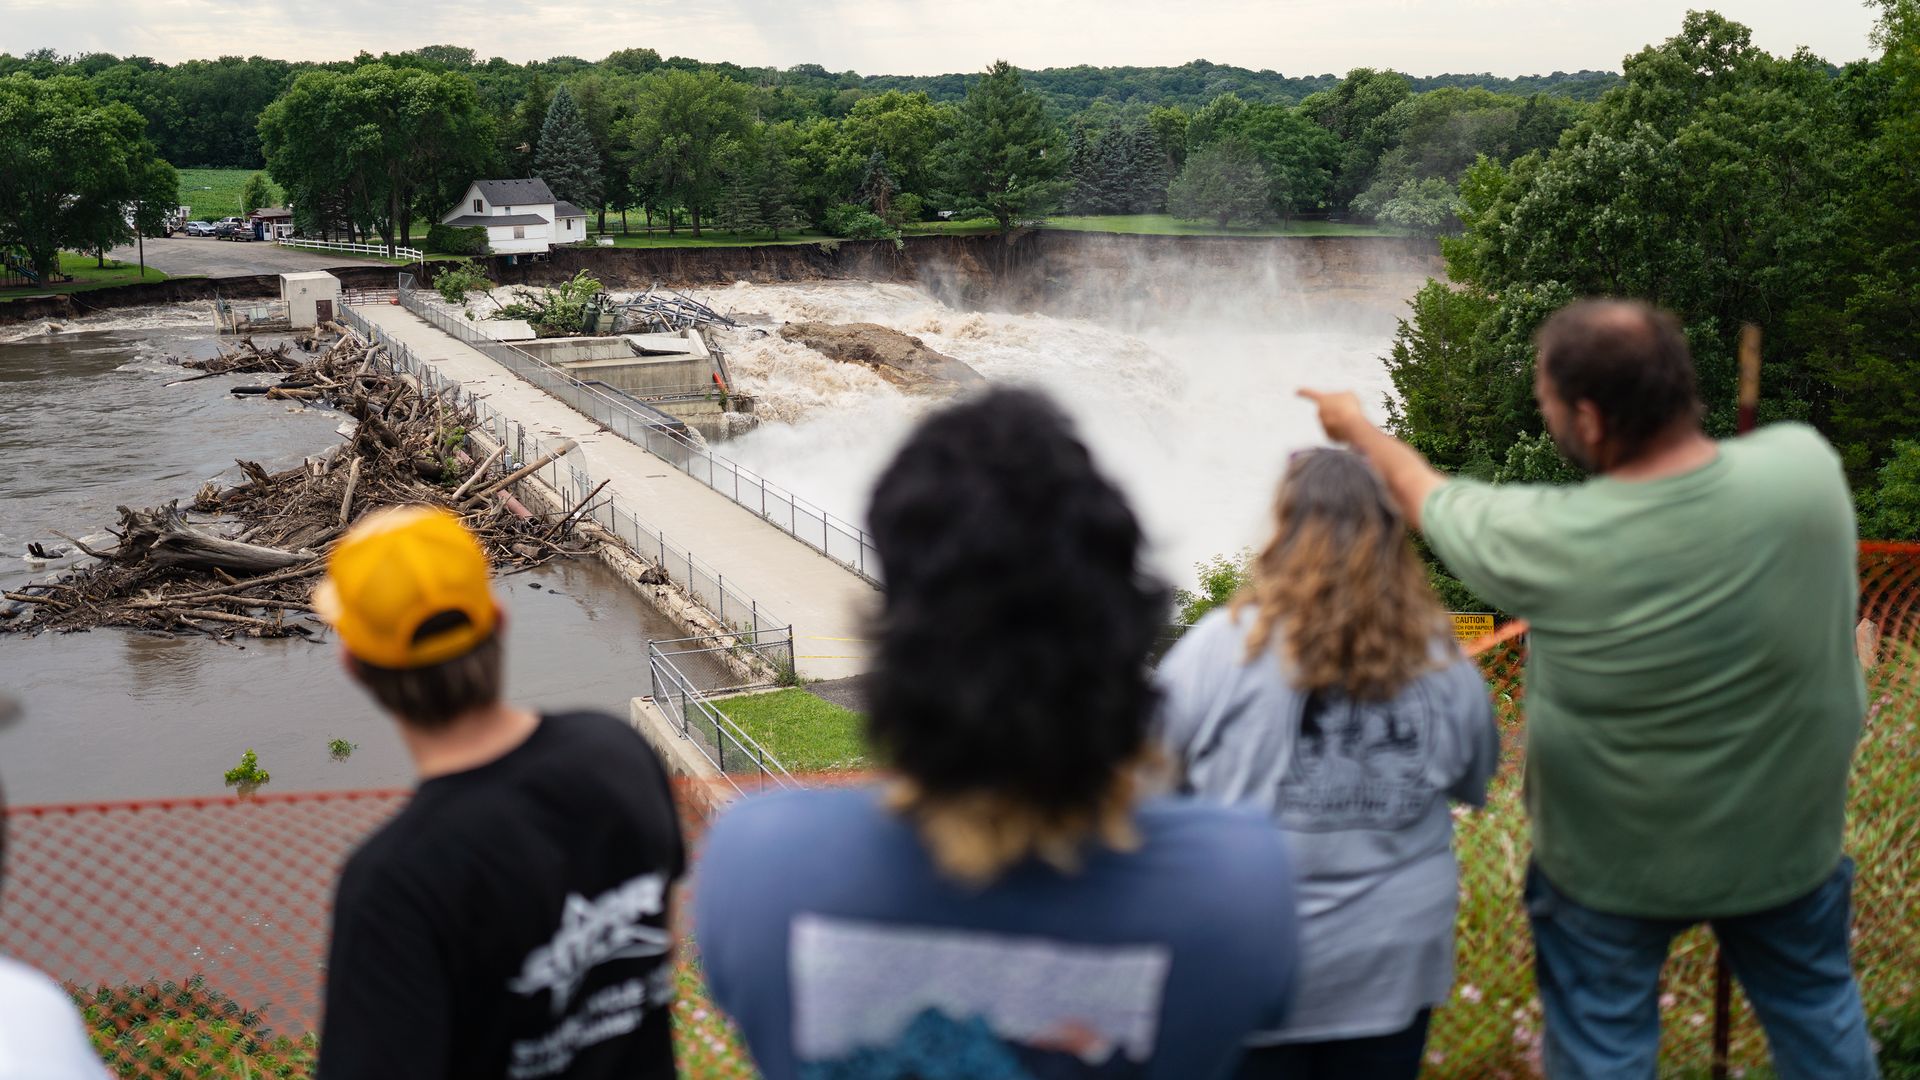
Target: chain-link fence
{"x": 226, "y": 900}
{"x": 568, "y": 476}
{"x": 831, "y": 535}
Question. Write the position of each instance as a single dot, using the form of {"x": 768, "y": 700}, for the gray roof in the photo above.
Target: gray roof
{"x": 532, "y": 192}
{"x": 499, "y": 219}
{"x": 564, "y": 208}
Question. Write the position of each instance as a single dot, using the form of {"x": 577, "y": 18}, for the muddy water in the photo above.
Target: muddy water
{"x": 87, "y": 422}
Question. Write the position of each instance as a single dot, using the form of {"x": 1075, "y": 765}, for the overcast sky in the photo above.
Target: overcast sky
{"x": 926, "y": 37}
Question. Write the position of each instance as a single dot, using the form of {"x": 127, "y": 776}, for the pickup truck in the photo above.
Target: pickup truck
{"x": 233, "y": 230}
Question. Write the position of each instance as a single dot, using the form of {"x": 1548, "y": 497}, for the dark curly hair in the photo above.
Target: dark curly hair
{"x": 1012, "y": 674}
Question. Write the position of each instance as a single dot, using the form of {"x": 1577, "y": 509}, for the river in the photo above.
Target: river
{"x": 90, "y": 423}
{"x": 1192, "y": 408}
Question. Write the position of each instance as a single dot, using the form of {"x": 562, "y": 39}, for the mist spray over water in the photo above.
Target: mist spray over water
{"x": 1182, "y": 377}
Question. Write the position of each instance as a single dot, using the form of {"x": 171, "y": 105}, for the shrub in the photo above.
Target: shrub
{"x": 453, "y": 281}
{"x": 248, "y": 774}
{"x": 457, "y": 240}
{"x": 855, "y": 223}
{"x": 187, "y": 1030}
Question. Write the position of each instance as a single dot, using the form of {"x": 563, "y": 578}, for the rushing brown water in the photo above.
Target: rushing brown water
{"x": 87, "y": 422}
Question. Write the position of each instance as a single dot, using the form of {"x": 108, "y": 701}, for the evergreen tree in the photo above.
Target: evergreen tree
{"x": 1008, "y": 155}
{"x": 776, "y": 195}
{"x": 567, "y": 158}
{"x": 1224, "y": 182}
{"x": 877, "y": 188}
{"x": 739, "y": 210}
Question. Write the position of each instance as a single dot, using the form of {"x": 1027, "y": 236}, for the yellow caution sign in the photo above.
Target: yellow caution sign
{"x": 1468, "y": 625}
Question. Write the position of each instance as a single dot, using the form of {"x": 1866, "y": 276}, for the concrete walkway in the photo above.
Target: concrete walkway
{"x": 828, "y": 604}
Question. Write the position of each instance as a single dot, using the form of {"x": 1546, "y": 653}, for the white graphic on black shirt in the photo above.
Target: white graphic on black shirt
{"x": 592, "y": 932}
{"x": 1358, "y": 765}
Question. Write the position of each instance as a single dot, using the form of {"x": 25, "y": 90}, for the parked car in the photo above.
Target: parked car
{"x": 199, "y": 228}
{"x": 234, "y": 230}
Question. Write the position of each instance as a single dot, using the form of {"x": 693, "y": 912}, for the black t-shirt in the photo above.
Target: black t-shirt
{"x": 512, "y": 921}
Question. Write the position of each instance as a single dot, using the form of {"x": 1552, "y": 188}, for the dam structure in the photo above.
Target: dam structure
{"x": 823, "y": 585}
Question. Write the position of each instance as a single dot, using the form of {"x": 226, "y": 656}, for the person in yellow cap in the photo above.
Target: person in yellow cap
{"x": 512, "y": 921}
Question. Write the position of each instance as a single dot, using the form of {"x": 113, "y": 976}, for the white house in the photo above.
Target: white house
{"x": 520, "y": 216}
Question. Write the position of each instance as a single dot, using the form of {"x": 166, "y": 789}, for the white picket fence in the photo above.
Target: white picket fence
{"x": 358, "y": 249}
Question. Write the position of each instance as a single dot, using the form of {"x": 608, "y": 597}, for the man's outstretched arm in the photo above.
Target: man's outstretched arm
{"x": 1408, "y": 476}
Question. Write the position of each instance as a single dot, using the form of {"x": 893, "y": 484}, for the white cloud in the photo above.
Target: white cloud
{"x": 1506, "y": 37}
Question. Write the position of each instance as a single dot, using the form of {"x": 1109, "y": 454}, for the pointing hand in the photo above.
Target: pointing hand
{"x": 1340, "y": 414}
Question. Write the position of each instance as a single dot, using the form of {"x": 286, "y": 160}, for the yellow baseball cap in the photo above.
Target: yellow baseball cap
{"x": 395, "y": 570}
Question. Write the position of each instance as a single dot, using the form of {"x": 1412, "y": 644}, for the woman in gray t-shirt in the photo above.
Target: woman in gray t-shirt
{"x": 1330, "y": 694}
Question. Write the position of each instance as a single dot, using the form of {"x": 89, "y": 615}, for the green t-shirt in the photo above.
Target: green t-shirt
{"x": 1693, "y": 697}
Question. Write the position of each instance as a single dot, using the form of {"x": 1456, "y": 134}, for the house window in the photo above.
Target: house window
{"x": 476, "y": 206}
{"x": 569, "y": 224}
{"x": 519, "y": 232}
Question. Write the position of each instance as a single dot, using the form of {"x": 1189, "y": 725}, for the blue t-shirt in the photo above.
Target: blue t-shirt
{"x": 827, "y": 933}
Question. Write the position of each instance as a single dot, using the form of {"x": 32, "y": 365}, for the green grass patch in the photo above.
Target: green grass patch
{"x": 87, "y": 274}
{"x": 805, "y": 733}
{"x": 215, "y": 193}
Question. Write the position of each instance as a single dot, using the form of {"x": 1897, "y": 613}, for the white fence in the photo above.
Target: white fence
{"x": 357, "y": 249}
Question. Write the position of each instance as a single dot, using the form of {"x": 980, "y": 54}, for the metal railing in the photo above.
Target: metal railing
{"x": 833, "y": 536}
{"x": 745, "y": 764}
{"x": 699, "y": 581}
{"x": 358, "y": 249}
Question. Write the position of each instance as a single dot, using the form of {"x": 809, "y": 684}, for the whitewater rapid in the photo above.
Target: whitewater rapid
{"x": 1193, "y": 419}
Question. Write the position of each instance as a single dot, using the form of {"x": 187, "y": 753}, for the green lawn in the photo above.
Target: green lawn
{"x": 805, "y": 733}
{"x": 87, "y": 274}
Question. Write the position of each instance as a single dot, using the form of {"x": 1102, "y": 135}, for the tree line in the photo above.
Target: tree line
{"x": 204, "y": 113}
{"x": 1731, "y": 186}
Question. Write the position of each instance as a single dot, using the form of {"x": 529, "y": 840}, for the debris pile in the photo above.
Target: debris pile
{"x": 249, "y": 563}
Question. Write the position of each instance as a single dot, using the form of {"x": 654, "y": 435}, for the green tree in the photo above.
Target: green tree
{"x": 1357, "y": 112}
{"x": 70, "y": 167}
{"x": 1008, "y": 156}
{"x": 257, "y": 193}
{"x": 567, "y": 158}
{"x": 685, "y": 130}
{"x": 907, "y": 129}
{"x": 1890, "y": 510}
{"x": 156, "y": 193}
{"x": 1299, "y": 156}
{"x": 378, "y": 143}
{"x": 739, "y": 208}
{"x": 1223, "y": 182}
{"x": 1221, "y": 578}
{"x": 1721, "y": 182}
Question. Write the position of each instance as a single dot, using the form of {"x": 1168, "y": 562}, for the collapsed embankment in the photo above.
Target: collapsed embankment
{"x": 1068, "y": 273}
{"x": 177, "y": 291}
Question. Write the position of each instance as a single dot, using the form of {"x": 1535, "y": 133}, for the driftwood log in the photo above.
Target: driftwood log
{"x": 245, "y": 561}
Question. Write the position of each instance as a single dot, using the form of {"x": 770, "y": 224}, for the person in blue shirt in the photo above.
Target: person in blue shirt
{"x": 1004, "y": 903}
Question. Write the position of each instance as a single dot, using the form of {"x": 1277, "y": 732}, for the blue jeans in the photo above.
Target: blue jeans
{"x": 1599, "y": 978}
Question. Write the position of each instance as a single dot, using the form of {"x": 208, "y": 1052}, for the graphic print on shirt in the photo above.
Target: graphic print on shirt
{"x": 1359, "y": 765}
{"x": 879, "y": 1001}
{"x": 593, "y": 932}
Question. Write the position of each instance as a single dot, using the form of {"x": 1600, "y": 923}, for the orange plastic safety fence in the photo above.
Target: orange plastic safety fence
{"x": 194, "y": 930}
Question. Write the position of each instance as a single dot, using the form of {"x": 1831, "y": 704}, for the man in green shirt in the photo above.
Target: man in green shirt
{"x": 1693, "y": 699}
